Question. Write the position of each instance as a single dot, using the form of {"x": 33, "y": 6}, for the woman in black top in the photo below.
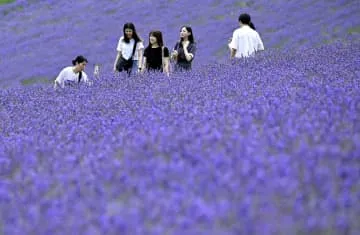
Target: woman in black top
{"x": 156, "y": 56}
{"x": 184, "y": 50}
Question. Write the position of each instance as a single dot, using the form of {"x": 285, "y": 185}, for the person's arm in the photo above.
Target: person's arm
{"x": 232, "y": 53}
{"x": 190, "y": 52}
{"x": 233, "y": 46}
{"x": 140, "y": 56}
{"x": 188, "y": 55}
{"x": 167, "y": 66}
{"x": 56, "y": 85}
{"x": 143, "y": 65}
{"x": 118, "y": 55}
{"x": 260, "y": 44}
{"x": 144, "y": 60}
{"x": 166, "y": 61}
{"x": 59, "y": 81}
{"x": 116, "y": 60}
{"x": 175, "y": 53}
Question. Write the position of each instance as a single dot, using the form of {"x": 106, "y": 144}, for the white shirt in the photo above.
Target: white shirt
{"x": 127, "y": 48}
{"x": 67, "y": 75}
{"x": 246, "y": 42}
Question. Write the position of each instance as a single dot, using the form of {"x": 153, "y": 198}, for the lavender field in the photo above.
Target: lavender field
{"x": 38, "y": 38}
{"x": 269, "y": 145}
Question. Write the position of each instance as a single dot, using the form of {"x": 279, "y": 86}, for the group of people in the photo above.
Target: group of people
{"x": 132, "y": 57}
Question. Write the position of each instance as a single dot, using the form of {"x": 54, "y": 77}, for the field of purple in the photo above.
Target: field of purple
{"x": 269, "y": 145}
{"x": 202, "y": 153}
{"x": 38, "y": 38}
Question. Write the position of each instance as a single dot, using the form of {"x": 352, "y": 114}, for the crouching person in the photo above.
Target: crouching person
{"x": 72, "y": 75}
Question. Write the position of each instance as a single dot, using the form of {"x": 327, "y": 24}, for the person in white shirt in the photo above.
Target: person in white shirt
{"x": 245, "y": 40}
{"x": 130, "y": 50}
{"x": 73, "y": 74}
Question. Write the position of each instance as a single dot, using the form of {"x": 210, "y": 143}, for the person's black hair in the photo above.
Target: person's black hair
{"x": 246, "y": 19}
{"x": 191, "y": 36}
{"x": 135, "y": 36}
{"x": 79, "y": 59}
{"x": 159, "y": 39}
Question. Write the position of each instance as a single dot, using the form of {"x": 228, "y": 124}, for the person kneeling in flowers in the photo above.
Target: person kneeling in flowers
{"x": 72, "y": 75}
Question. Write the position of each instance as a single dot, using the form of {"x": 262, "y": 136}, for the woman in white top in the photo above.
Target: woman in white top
{"x": 245, "y": 41}
{"x": 129, "y": 50}
{"x": 73, "y": 74}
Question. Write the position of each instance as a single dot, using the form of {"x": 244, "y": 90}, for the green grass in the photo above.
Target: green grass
{"x": 6, "y": 1}
{"x": 242, "y": 4}
{"x": 354, "y": 30}
{"x": 35, "y": 80}
{"x": 12, "y": 9}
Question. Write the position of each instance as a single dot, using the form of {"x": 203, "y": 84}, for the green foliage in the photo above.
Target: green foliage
{"x": 6, "y": 1}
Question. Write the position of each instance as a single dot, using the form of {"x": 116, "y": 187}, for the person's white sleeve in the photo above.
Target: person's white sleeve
{"x": 140, "y": 45}
{"x": 234, "y": 42}
{"x": 260, "y": 45}
{"x": 60, "y": 80}
{"x": 118, "y": 48}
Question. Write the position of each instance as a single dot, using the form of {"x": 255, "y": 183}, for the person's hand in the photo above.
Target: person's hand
{"x": 142, "y": 71}
{"x": 185, "y": 44}
{"x": 174, "y": 54}
{"x": 89, "y": 83}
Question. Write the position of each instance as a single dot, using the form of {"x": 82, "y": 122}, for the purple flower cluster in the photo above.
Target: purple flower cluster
{"x": 39, "y": 38}
{"x": 269, "y": 145}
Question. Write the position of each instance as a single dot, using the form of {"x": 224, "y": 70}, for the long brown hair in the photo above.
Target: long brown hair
{"x": 135, "y": 36}
{"x": 191, "y": 36}
{"x": 158, "y": 35}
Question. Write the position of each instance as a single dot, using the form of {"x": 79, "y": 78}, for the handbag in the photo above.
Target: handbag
{"x": 124, "y": 64}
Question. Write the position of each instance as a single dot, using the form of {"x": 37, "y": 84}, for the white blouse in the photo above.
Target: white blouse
{"x": 126, "y": 48}
{"x": 67, "y": 75}
{"x": 246, "y": 42}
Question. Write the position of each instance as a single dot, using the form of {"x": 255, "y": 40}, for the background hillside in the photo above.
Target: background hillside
{"x": 38, "y": 38}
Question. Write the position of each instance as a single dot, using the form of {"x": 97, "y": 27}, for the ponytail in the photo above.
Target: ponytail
{"x": 252, "y": 25}
{"x": 246, "y": 19}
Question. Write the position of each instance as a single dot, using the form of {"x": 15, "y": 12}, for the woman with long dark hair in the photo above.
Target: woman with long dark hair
{"x": 129, "y": 50}
{"x": 73, "y": 74}
{"x": 184, "y": 50}
{"x": 245, "y": 41}
{"x": 156, "y": 55}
